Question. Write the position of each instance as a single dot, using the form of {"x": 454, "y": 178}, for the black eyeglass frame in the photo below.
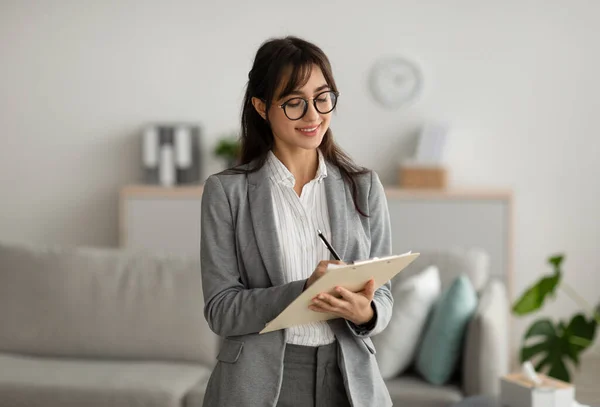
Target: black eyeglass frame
{"x": 314, "y": 100}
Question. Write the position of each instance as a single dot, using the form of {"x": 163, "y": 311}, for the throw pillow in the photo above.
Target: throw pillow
{"x": 413, "y": 298}
{"x": 441, "y": 348}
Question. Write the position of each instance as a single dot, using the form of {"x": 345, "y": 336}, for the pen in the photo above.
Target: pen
{"x": 331, "y": 249}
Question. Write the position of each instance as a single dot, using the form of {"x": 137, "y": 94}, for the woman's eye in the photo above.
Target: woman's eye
{"x": 293, "y": 104}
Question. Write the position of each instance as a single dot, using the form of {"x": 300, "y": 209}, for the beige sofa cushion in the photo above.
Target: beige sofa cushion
{"x": 84, "y": 302}
{"x": 195, "y": 396}
{"x": 49, "y": 382}
{"x": 486, "y": 354}
{"x": 413, "y": 299}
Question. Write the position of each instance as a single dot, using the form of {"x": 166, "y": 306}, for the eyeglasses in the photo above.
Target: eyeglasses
{"x": 296, "y": 108}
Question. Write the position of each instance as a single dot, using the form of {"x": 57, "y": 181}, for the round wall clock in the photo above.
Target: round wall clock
{"x": 395, "y": 81}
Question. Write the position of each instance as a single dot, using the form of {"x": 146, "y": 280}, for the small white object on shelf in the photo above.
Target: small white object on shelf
{"x": 150, "y": 147}
{"x": 432, "y": 140}
{"x": 167, "y": 165}
{"x": 183, "y": 147}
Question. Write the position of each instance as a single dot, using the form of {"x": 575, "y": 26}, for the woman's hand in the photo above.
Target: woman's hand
{"x": 355, "y": 307}
{"x": 320, "y": 270}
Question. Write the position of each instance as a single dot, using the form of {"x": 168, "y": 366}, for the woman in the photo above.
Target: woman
{"x": 260, "y": 248}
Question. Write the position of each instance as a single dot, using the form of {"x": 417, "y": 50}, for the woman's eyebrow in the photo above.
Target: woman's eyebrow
{"x": 320, "y": 88}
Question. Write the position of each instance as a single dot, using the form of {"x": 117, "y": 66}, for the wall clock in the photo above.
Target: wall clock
{"x": 395, "y": 81}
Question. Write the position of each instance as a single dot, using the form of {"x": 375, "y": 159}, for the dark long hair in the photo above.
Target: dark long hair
{"x": 276, "y": 58}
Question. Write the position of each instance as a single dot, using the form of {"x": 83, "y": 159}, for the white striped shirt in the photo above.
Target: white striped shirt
{"x": 297, "y": 219}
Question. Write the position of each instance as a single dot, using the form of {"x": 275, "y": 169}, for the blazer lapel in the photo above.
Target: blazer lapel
{"x": 335, "y": 190}
{"x": 263, "y": 222}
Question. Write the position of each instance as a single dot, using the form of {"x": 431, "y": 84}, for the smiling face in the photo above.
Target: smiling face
{"x": 307, "y": 132}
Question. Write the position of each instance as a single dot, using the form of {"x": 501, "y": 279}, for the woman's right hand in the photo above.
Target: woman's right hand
{"x": 320, "y": 270}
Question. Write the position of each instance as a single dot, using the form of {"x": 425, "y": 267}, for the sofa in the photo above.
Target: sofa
{"x": 484, "y": 354}
{"x": 107, "y": 327}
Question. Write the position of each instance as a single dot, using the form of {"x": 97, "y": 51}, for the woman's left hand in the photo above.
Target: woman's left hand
{"x": 355, "y": 307}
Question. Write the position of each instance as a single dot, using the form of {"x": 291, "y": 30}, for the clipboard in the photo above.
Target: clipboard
{"x": 351, "y": 276}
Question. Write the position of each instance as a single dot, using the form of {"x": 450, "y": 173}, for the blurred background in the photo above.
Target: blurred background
{"x": 515, "y": 83}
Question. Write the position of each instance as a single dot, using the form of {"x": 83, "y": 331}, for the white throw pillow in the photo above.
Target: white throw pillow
{"x": 413, "y": 299}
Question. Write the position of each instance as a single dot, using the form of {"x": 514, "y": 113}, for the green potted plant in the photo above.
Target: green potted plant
{"x": 228, "y": 148}
{"x": 550, "y": 345}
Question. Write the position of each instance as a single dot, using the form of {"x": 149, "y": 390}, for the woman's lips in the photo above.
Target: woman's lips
{"x": 309, "y": 130}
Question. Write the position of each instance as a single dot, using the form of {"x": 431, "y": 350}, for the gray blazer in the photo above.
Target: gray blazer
{"x": 243, "y": 286}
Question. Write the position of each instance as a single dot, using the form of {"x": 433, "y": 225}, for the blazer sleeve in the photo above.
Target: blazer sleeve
{"x": 381, "y": 245}
{"x": 230, "y": 308}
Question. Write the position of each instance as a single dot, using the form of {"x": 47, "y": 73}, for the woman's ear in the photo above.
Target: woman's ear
{"x": 260, "y": 107}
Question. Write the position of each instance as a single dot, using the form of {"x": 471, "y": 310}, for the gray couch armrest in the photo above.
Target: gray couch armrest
{"x": 486, "y": 358}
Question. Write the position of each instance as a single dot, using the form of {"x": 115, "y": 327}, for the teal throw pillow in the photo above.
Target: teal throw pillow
{"x": 441, "y": 347}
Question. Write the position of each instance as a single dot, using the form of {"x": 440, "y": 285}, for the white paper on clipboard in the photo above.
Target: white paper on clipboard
{"x": 352, "y": 277}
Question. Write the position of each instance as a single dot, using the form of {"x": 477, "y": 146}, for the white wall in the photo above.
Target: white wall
{"x": 518, "y": 80}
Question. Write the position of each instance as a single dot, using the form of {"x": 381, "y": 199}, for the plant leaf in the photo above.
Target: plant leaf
{"x": 559, "y": 371}
{"x": 227, "y": 148}
{"x": 547, "y": 349}
{"x": 582, "y": 327}
{"x": 542, "y": 363}
{"x": 551, "y": 345}
{"x": 534, "y": 297}
{"x": 542, "y": 327}
{"x": 580, "y": 334}
{"x": 556, "y": 261}
{"x": 530, "y": 351}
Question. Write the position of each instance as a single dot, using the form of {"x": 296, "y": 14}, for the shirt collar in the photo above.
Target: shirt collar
{"x": 279, "y": 172}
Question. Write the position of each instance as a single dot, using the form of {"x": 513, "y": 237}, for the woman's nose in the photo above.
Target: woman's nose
{"x": 311, "y": 113}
